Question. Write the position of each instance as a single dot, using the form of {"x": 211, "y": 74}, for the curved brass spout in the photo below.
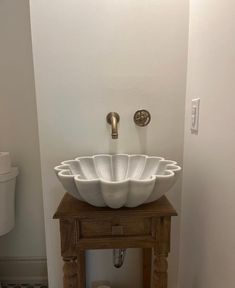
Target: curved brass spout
{"x": 113, "y": 119}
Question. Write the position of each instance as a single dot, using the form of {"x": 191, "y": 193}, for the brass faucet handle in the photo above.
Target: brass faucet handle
{"x": 142, "y": 117}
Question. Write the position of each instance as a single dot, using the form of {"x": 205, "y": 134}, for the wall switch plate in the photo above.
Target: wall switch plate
{"x": 195, "y": 115}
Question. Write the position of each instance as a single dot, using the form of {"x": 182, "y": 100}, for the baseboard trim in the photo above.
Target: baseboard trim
{"x": 23, "y": 270}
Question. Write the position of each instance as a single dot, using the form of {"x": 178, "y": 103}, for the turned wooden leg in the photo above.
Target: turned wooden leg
{"x": 147, "y": 266}
{"x": 160, "y": 270}
{"x": 74, "y": 271}
{"x": 70, "y": 270}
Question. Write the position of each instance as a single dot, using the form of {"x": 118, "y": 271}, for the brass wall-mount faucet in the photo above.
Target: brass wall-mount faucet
{"x": 113, "y": 118}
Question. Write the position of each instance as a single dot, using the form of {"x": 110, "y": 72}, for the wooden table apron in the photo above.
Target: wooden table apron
{"x": 83, "y": 227}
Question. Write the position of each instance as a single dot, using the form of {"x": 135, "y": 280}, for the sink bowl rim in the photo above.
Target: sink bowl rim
{"x": 64, "y": 167}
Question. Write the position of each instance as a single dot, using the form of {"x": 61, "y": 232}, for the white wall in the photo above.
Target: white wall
{"x": 92, "y": 57}
{"x": 19, "y": 131}
{"x": 208, "y": 230}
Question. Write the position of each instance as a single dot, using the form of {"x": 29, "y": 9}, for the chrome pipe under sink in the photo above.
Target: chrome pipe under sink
{"x": 118, "y": 257}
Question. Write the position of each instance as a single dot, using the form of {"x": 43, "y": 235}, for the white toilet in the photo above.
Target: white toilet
{"x": 7, "y": 193}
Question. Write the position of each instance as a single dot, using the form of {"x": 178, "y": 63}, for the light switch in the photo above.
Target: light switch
{"x": 195, "y": 115}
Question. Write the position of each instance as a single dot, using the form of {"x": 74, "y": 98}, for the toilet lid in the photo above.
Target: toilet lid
{"x": 8, "y": 176}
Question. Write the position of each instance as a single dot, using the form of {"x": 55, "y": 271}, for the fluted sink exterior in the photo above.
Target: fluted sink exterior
{"x": 117, "y": 180}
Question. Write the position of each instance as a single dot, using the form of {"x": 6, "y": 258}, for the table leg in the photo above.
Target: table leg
{"x": 147, "y": 266}
{"x": 160, "y": 270}
{"x": 70, "y": 272}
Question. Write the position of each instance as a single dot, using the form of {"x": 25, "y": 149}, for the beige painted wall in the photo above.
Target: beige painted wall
{"x": 208, "y": 229}
{"x": 19, "y": 131}
{"x": 92, "y": 57}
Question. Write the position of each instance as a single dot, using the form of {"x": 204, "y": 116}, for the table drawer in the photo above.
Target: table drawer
{"x": 113, "y": 227}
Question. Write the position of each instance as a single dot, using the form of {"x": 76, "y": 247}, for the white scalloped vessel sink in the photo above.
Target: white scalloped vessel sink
{"x": 117, "y": 180}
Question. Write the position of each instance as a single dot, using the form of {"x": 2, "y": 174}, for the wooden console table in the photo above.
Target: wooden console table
{"x": 86, "y": 227}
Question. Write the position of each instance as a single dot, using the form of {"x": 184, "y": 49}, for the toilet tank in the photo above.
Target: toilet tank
{"x": 7, "y": 200}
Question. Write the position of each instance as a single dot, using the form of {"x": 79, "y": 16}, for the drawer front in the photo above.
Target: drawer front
{"x": 113, "y": 227}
